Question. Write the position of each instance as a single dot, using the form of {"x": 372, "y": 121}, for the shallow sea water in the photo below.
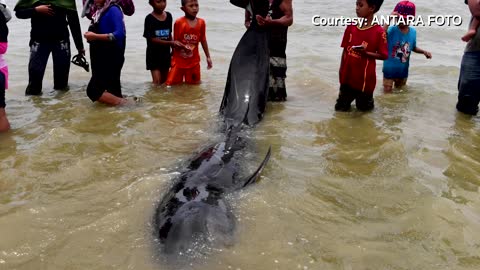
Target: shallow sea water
{"x": 397, "y": 188}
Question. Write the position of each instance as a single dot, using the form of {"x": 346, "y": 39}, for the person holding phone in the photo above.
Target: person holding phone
{"x": 362, "y": 45}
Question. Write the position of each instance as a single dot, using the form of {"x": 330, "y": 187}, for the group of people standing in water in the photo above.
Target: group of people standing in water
{"x": 365, "y": 43}
{"x": 173, "y": 56}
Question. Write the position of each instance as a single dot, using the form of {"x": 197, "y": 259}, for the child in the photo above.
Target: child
{"x": 402, "y": 40}
{"x": 188, "y": 31}
{"x": 4, "y": 124}
{"x": 107, "y": 37}
{"x": 362, "y": 44}
{"x": 158, "y": 32}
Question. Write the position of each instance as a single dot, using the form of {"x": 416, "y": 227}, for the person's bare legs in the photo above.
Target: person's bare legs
{"x": 387, "y": 85}
{"x": 4, "y": 124}
{"x": 156, "y": 76}
{"x": 110, "y": 99}
{"x": 163, "y": 76}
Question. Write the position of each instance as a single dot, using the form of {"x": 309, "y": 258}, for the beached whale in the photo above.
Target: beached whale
{"x": 194, "y": 213}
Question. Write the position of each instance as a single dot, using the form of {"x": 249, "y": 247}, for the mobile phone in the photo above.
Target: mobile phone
{"x": 357, "y": 47}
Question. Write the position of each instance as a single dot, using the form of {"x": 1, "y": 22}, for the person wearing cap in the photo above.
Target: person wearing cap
{"x": 402, "y": 40}
{"x": 50, "y": 21}
{"x": 469, "y": 78}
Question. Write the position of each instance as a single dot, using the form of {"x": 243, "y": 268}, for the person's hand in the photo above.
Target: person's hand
{"x": 263, "y": 21}
{"x": 90, "y": 36}
{"x": 247, "y": 24}
{"x": 361, "y": 49}
{"x": 178, "y": 44}
{"x": 395, "y": 14}
{"x": 209, "y": 63}
{"x": 82, "y": 52}
{"x": 189, "y": 47}
{"x": 45, "y": 10}
{"x": 428, "y": 55}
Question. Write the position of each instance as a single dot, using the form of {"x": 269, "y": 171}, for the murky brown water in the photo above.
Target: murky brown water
{"x": 397, "y": 188}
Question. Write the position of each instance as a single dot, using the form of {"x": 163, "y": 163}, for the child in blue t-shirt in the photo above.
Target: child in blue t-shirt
{"x": 402, "y": 40}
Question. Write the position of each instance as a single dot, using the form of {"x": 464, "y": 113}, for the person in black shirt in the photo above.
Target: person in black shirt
{"x": 49, "y": 34}
{"x": 279, "y": 18}
{"x": 158, "y": 32}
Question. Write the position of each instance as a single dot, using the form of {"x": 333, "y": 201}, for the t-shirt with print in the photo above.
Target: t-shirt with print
{"x": 400, "y": 46}
{"x": 358, "y": 71}
{"x": 154, "y": 28}
{"x": 190, "y": 36}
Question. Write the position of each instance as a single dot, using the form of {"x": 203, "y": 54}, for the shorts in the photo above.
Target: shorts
{"x": 107, "y": 64}
{"x": 157, "y": 61}
{"x": 398, "y": 82}
{"x": 363, "y": 101}
{"x": 177, "y": 75}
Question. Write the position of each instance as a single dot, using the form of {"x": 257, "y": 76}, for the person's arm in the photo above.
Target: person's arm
{"x": 74, "y": 24}
{"x": 116, "y": 16}
{"x": 248, "y": 18}
{"x": 28, "y": 13}
{"x": 25, "y": 13}
{"x": 427, "y": 54}
{"x": 475, "y": 24}
{"x": 207, "y": 54}
{"x": 205, "y": 46}
{"x": 382, "y": 48}
{"x": 474, "y": 6}
{"x": 285, "y": 20}
{"x": 160, "y": 41}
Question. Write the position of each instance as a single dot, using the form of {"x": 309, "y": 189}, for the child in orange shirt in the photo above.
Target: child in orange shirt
{"x": 189, "y": 31}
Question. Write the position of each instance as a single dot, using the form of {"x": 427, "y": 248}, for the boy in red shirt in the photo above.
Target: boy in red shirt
{"x": 189, "y": 31}
{"x": 362, "y": 44}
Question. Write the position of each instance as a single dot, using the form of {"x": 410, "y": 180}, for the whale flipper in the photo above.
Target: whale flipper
{"x": 253, "y": 178}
